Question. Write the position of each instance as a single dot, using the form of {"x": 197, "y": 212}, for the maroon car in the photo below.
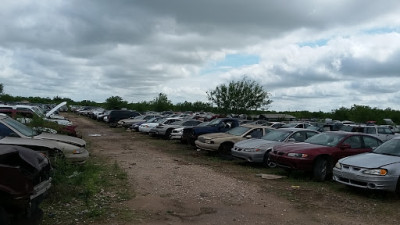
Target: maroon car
{"x": 319, "y": 153}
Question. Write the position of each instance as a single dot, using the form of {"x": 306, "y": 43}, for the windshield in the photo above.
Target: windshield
{"x": 141, "y": 117}
{"x": 325, "y": 139}
{"x": 289, "y": 125}
{"x": 391, "y": 147}
{"x": 20, "y": 127}
{"x": 203, "y": 124}
{"x": 152, "y": 120}
{"x": 38, "y": 111}
{"x": 277, "y": 135}
{"x": 178, "y": 122}
{"x": 214, "y": 122}
{"x": 238, "y": 131}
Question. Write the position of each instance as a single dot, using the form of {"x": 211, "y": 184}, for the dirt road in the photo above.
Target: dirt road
{"x": 170, "y": 190}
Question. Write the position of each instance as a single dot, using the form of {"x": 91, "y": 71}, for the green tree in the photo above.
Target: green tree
{"x": 239, "y": 96}
{"x": 115, "y": 102}
{"x": 161, "y": 103}
{"x": 1, "y": 88}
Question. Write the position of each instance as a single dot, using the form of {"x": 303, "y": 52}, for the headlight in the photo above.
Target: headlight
{"x": 338, "y": 166}
{"x": 378, "y": 172}
{"x": 297, "y": 155}
{"x": 209, "y": 141}
{"x": 77, "y": 151}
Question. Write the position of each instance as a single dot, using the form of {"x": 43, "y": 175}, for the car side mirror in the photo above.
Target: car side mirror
{"x": 248, "y": 136}
{"x": 345, "y": 146}
{"x": 292, "y": 140}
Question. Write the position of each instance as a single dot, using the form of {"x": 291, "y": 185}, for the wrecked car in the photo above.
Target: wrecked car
{"x": 25, "y": 181}
{"x": 13, "y": 132}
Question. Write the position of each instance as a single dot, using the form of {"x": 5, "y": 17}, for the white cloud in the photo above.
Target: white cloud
{"x": 312, "y": 55}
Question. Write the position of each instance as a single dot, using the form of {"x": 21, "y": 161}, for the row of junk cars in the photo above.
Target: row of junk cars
{"x": 365, "y": 156}
{"x": 28, "y": 156}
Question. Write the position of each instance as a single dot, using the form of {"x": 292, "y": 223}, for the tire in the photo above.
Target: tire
{"x": 321, "y": 169}
{"x": 398, "y": 187}
{"x": 168, "y": 134}
{"x": 268, "y": 163}
{"x": 225, "y": 149}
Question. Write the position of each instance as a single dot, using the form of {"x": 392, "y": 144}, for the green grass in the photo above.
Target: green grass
{"x": 89, "y": 192}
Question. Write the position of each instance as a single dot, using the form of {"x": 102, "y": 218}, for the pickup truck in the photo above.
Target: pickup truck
{"x": 218, "y": 125}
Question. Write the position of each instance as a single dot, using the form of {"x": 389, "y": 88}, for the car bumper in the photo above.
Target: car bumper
{"x": 292, "y": 163}
{"x": 41, "y": 189}
{"x": 175, "y": 136}
{"x": 256, "y": 157}
{"x": 205, "y": 146}
{"x": 78, "y": 158}
{"x": 387, "y": 183}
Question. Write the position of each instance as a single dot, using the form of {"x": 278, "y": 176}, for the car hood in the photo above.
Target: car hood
{"x": 28, "y": 142}
{"x": 218, "y": 135}
{"x": 33, "y": 158}
{"x": 294, "y": 147}
{"x": 61, "y": 138}
{"x": 256, "y": 143}
{"x": 370, "y": 160}
{"x": 49, "y": 113}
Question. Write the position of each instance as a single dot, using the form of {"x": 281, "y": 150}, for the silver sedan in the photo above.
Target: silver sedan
{"x": 378, "y": 170}
{"x": 257, "y": 150}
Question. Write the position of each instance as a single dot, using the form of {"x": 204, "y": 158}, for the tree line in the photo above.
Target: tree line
{"x": 236, "y": 97}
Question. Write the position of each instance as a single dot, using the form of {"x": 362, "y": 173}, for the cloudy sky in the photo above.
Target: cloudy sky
{"x": 308, "y": 54}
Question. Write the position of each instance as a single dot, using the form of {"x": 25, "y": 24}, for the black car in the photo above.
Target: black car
{"x": 117, "y": 115}
{"x": 25, "y": 180}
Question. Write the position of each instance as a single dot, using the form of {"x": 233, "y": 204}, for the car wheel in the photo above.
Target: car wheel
{"x": 225, "y": 149}
{"x": 398, "y": 187}
{"x": 168, "y": 134}
{"x": 321, "y": 169}
{"x": 267, "y": 162}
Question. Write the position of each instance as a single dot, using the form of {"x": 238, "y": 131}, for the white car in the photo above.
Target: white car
{"x": 146, "y": 127}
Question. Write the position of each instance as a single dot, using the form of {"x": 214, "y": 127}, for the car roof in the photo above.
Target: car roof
{"x": 255, "y": 126}
{"x": 295, "y": 129}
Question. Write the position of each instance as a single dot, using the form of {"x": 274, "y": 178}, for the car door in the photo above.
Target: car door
{"x": 355, "y": 145}
{"x": 371, "y": 142}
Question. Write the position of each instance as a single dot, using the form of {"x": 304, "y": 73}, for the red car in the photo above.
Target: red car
{"x": 319, "y": 153}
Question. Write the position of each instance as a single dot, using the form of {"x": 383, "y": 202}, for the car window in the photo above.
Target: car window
{"x": 8, "y": 113}
{"x": 384, "y": 130}
{"x": 256, "y": 133}
{"x": 277, "y": 135}
{"x": 299, "y": 136}
{"x": 371, "y": 142}
{"x": 25, "y": 114}
{"x": 27, "y": 131}
{"x": 238, "y": 131}
{"x": 370, "y": 130}
{"x": 310, "y": 134}
{"x": 353, "y": 141}
{"x": 191, "y": 123}
{"x": 5, "y": 131}
{"x": 326, "y": 139}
